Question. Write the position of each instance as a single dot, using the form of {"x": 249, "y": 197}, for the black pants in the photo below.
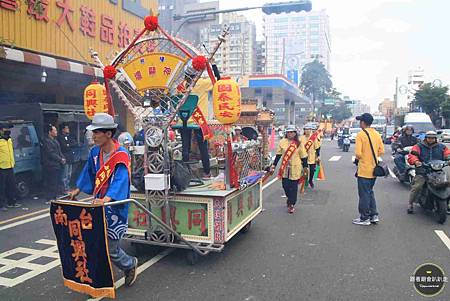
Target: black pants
{"x": 186, "y": 137}
{"x": 53, "y": 182}
{"x": 7, "y": 187}
{"x": 290, "y": 189}
{"x": 312, "y": 171}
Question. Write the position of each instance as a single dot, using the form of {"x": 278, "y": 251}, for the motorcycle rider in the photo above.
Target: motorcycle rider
{"x": 407, "y": 139}
{"x": 427, "y": 150}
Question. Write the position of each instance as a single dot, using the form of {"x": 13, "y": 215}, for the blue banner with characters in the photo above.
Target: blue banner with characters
{"x": 80, "y": 232}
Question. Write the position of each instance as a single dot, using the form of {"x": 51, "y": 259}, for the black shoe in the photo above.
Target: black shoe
{"x": 410, "y": 210}
{"x": 131, "y": 275}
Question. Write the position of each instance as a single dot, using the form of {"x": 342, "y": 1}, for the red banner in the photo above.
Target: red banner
{"x": 286, "y": 157}
{"x": 200, "y": 119}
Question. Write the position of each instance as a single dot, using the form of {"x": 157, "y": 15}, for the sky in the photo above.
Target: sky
{"x": 375, "y": 41}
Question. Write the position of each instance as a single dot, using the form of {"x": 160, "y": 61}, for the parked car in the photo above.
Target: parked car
{"x": 444, "y": 135}
{"x": 353, "y": 132}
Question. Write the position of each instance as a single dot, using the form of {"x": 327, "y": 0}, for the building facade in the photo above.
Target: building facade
{"x": 416, "y": 78}
{"x": 387, "y": 108}
{"x": 260, "y": 57}
{"x": 188, "y": 29}
{"x": 50, "y": 62}
{"x": 356, "y": 106}
{"x": 237, "y": 56}
{"x": 295, "y": 39}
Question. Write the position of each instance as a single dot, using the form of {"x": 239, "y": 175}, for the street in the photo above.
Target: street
{"x": 314, "y": 254}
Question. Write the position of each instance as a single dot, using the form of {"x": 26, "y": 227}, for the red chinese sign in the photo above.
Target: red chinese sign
{"x": 66, "y": 14}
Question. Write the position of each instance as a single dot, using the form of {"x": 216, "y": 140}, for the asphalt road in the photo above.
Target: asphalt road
{"x": 314, "y": 254}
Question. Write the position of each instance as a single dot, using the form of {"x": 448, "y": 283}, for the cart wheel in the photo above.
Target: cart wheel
{"x": 192, "y": 257}
{"x": 246, "y": 227}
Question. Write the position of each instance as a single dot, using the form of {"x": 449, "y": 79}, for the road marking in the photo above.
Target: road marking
{"x": 335, "y": 158}
{"x": 270, "y": 183}
{"x": 443, "y": 237}
{"x": 34, "y": 269}
{"x": 392, "y": 173}
{"x": 22, "y": 216}
{"x": 32, "y": 219}
{"x": 140, "y": 269}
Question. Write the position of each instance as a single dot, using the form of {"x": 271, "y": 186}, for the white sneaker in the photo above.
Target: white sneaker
{"x": 374, "y": 219}
{"x": 360, "y": 222}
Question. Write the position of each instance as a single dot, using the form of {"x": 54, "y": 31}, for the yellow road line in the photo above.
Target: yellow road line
{"x": 23, "y": 216}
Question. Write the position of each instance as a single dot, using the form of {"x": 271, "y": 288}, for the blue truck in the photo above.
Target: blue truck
{"x": 28, "y": 122}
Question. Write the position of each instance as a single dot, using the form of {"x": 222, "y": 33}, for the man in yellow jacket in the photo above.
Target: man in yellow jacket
{"x": 7, "y": 180}
{"x": 366, "y": 164}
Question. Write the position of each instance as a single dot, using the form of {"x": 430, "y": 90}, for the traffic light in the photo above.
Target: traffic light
{"x": 287, "y": 7}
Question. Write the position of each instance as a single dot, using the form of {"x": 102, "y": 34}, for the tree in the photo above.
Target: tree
{"x": 339, "y": 112}
{"x": 433, "y": 100}
{"x": 316, "y": 81}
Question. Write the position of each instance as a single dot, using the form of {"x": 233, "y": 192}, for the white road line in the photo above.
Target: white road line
{"x": 31, "y": 219}
{"x": 443, "y": 237}
{"x": 335, "y": 158}
{"x": 141, "y": 268}
{"x": 392, "y": 173}
{"x": 270, "y": 183}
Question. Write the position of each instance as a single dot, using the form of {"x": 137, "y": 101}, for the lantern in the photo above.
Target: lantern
{"x": 95, "y": 100}
{"x": 227, "y": 100}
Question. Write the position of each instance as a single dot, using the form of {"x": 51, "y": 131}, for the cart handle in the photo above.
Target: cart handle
{"x": 142, "y": 207}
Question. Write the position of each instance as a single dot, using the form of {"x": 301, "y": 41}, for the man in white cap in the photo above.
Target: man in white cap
{"x": 106, "y": 175}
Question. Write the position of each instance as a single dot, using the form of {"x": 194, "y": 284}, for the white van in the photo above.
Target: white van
{"x": 420, "y": 121}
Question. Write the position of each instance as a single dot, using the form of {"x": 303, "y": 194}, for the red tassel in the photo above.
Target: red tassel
{"x": 151, "y": 23}
{"x": 109, "y": 72}
{"x": 199, "y": 63}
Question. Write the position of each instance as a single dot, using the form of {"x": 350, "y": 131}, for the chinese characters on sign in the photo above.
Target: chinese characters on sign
{"x": 39, "y": 9}
{"x": 76, "y": 240}
{"x": 227, "y": 101}
{"x": 95, "y": 100}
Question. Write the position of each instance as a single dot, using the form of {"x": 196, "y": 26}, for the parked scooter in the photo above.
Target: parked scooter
{"x": 346, "y": 143}
{"x": 408, "y": 175}
{"x": 436, "y": 193}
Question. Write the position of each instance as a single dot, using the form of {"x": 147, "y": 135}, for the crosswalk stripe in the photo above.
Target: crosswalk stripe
{"x": 443, "y": 237}
{"x": 335, "y": 158}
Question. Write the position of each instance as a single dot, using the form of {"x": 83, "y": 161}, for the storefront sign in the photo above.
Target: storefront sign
{"x": 68, "y": 28}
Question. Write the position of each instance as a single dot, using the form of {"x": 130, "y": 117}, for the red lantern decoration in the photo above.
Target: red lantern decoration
{"x": 109, "y": 72}
{"x": 199, "y": 63}
{"x": 151, "y": 23}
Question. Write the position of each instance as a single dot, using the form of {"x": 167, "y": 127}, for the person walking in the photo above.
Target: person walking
{"x": 294, "y": 159}
{"x": 53, "y": 162}
{"x": 7, "y": 180}
{"x": 313, "y": 152}
{"x": 68, "y": 145}
{"x": 115, "y": 186}
{"x": 368, "y": 141}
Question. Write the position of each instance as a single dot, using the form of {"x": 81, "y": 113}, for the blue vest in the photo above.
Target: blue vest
{"x": 429, "y": 153}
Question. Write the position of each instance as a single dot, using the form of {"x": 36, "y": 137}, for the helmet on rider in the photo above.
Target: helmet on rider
{"x": 431, "y": 134}
{"x": 408, "y": 127}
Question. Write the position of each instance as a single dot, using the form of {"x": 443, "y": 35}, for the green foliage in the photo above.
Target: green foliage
{"x": 339, "y": 112}
{"x": 433, "y": 100}
{"x": 316, "y": 81}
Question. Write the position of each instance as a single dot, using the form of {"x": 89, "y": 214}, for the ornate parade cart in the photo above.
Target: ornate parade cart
{"x": 155, "y": 78}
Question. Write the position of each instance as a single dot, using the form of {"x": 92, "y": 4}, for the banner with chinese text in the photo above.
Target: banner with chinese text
{"x": 154, "y": 71}
{"x": 80, "y": 232}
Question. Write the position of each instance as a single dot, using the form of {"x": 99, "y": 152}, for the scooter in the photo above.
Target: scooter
{"x": 436, "y": 193}
{"x": 410, "y": 172}
{"x": 340, "y": 141}
{"x": 346, "y": 143}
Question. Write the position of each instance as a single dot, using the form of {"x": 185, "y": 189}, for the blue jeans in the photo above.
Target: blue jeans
{"x": 118, "y": 256}
{"x": 367, "y": 205}
{"x": 399, "y": 161}
{"x": 67, "y": 176}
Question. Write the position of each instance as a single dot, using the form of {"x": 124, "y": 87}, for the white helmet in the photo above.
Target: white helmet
{"x": 431, "y": 134}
